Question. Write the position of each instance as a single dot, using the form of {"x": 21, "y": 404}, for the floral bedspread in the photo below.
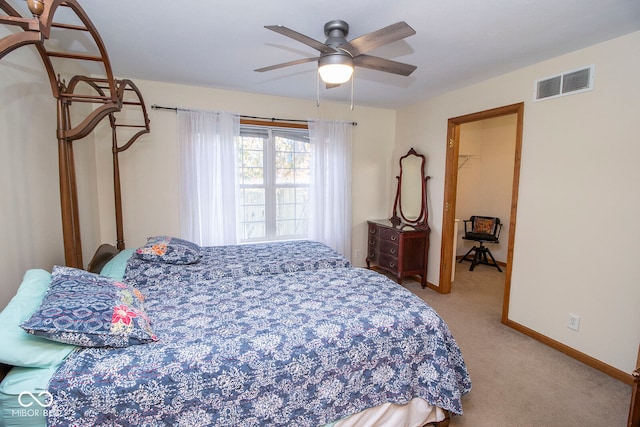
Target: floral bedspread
{"x": 238, "y": 261}
{"x": 294, "y": 349}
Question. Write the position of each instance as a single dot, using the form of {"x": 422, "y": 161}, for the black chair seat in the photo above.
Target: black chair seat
{"x": 480, "y": 237}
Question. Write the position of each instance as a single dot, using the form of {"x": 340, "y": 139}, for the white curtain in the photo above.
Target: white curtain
{"x": 209, "y": 176}
{"x": 330, "y": 216}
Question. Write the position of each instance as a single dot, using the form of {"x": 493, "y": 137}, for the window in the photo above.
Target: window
{"x": 274, "y": 177}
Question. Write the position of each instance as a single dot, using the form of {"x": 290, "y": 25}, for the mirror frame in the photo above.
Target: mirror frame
{"x": 398, "y": 214}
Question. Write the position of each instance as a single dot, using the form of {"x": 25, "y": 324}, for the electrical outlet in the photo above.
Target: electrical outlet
{"x": 574, "y": 322}
{"x": 357, "y": 253}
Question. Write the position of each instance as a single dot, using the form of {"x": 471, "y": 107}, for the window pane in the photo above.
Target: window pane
{"x": 302, "y": 160}
{"x": 284, "y": 144}
{"x": 287, "y": 228}
{"x": 253, "y": 230}
{"x": 302, "y": 203}
{"x": 251, "y": 176}
{"x": 292, "y": 228}
{"x": 252, "y": 196}
{"x": 252, "y": 158}
{"x": 302, "y": 226}
{"x": 285, "y": 172}
{"x": 285, "y": 195}
{"x": 251, "y": 143}
{"x": 303, "y": 147}
{"x": 302, "y": 195}
{"x": 253, "y": 213}
{"x": 286, "y": 211}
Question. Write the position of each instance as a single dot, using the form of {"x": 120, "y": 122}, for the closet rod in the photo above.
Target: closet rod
{"x": 272, "y": 119}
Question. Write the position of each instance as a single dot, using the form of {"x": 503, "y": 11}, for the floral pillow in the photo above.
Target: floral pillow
{"x": 483, "y": 225}
{"x": 169, "y": 250}
{"x": 89, "y": 310}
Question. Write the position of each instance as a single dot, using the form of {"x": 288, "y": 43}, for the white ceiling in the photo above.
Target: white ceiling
{"x": 457, "y": 42}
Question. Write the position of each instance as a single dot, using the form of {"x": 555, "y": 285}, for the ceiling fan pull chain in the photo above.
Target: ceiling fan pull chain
{"x": 352, "y": 79}
{"x": 317, "y": 89}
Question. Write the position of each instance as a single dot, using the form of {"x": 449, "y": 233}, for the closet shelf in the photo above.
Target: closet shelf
{"x": 464, "y": 158}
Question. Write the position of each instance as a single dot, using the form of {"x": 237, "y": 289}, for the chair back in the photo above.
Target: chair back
{"x": 482, "y": 228}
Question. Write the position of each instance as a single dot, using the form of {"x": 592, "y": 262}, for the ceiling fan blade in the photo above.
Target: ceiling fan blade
{"x": 386, "y": 35}
{"x": 286, "y": 64}
{"x": 386, "y": 65}
{"x": 319, "y": 46}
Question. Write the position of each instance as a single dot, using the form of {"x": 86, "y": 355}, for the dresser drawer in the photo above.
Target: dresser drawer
{"x": 388, "y": 247}
{"x": 389, "y": 262}
{"x": 388, "y": 234}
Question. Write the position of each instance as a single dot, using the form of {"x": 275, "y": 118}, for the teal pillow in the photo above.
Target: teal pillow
{"x": 116, "y": 266}
{"x": 18, "y": 347}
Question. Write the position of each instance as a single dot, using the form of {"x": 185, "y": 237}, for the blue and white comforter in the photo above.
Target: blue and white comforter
{"x": 239, "y": 261}
{"x": 303, "y": 349}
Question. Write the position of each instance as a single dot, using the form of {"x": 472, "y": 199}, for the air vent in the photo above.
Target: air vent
{"x": 568, "y": 83}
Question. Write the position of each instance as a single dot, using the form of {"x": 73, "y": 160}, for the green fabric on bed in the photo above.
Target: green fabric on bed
{"x": 114, "y": 269}
{"x": 18, "y": 347}
{"x": 16, "y": 411}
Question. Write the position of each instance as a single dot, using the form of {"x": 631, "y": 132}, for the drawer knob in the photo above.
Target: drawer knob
{"x": 394, "y": 237}
{"x": 391, "y": 264}
{"x": 393, "y": 251}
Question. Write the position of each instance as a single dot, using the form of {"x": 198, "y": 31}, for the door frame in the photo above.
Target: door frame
{"x": 450, "y": 192}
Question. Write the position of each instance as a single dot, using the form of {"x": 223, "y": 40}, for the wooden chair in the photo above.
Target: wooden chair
{"x": 481, "y": 229}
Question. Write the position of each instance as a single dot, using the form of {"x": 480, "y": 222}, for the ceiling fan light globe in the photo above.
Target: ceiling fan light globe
{"x": 335, "y": 73}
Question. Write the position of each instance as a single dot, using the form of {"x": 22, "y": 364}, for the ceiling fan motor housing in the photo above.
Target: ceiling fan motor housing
{"x": 336, "y": 32}
{"x": 339, "y": 57}
{"x": 337, "y": 29}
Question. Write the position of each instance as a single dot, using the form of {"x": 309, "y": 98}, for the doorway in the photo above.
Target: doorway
{"x": 447, "y": 257}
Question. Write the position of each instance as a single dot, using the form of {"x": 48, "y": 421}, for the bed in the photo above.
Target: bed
{"x": 318, "y": 344}
{"x": 230, "y": 261}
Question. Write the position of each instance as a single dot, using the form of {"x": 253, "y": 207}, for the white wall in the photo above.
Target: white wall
{"x": 576, "y": 238}
{"x": 149, "y": 169}
{"x": 485, "y": 180}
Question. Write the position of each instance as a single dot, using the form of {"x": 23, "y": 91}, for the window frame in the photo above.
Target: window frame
{"x": 269, "y": 175}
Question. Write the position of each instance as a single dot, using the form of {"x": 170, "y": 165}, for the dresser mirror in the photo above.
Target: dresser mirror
{"x": 410, "y": 205}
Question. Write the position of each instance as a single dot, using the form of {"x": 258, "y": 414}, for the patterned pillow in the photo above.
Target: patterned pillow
{"x": 169, "y": 250}
{"x": 483, "y": 225}
{"x": 89, "y": 310}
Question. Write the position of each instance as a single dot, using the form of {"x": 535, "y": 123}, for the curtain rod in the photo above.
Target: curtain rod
{"x": 272, "y": 119}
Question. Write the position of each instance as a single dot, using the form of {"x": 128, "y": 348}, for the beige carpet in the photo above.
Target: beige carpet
{"x": 516, "y": 380}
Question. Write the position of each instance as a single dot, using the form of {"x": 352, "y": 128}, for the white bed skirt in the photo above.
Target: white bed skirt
{"x": 416, "y": 413}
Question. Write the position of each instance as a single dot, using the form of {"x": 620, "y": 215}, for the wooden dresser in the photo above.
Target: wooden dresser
{"x": 400, "y": 249}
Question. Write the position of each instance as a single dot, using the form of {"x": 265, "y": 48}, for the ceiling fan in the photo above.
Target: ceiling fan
{"x": 338, "y": 57}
